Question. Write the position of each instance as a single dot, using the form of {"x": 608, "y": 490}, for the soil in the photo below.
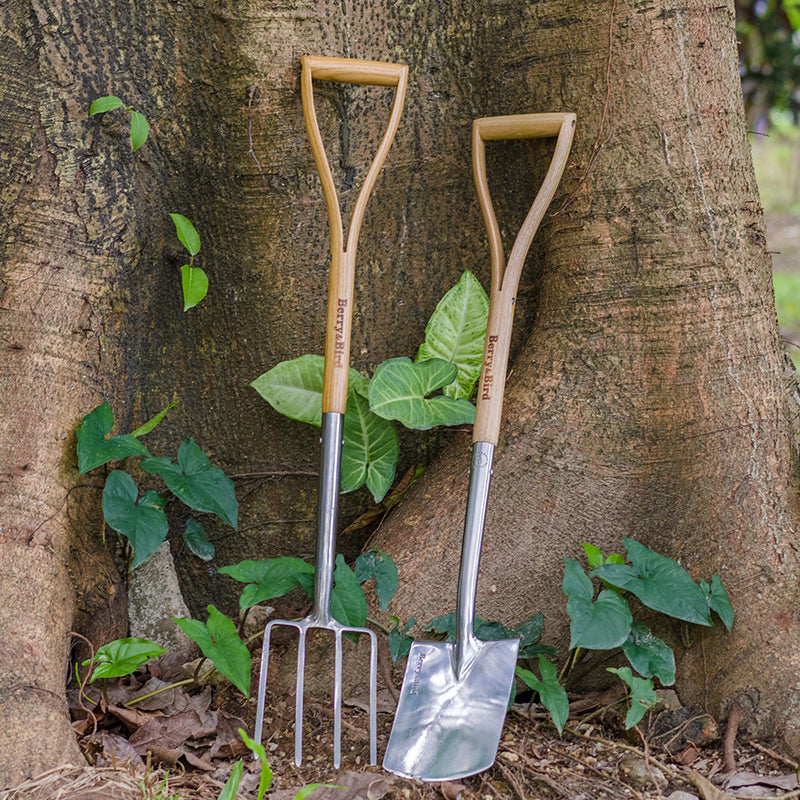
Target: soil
{"x": 675, "y": 753}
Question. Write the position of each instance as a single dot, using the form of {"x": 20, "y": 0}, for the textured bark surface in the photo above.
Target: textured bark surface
{"x": 648, "y": 397}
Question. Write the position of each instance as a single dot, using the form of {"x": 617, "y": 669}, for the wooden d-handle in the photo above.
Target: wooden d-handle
{"x": 505, "y": 276}
{"x": 342, "y": 273}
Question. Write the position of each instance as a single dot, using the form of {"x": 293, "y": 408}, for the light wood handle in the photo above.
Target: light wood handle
{"x": 351, "y": 70}
{"x": 505, "y": 276}
{"x": 343, "y": 254}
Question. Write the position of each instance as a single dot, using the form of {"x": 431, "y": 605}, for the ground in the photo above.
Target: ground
{"x": 182, "y": 743}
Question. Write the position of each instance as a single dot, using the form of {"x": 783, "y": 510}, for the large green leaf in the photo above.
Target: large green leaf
{"x": 642, "y": 695}
{"x": 348, "y": 603}
{"x": 600, "y": 624}
{"x": 94, "y": 449}
{"x": 122, "y": 657}
{"x": 552, "y": 694}
{"x": 399, "y": 390}
{"x": 379, "y": 565}
{"x": 456, "y": 333}
{"x": 273, "y": 577}
{"x": 371, "y": 448}
{"x": 196, "y": 482}
{"x": 659, "y": 582}
{"x": 142, "y": 522}
{"x": 220, "y": 643}
{"x": 294, "y": 388}
{"x": 649, "y": 655}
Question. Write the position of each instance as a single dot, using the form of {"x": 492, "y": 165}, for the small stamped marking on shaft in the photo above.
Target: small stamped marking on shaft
{"x": 488, "y": 377}
{"x": 414, "y": 689}
{"x": 339, "y": 344}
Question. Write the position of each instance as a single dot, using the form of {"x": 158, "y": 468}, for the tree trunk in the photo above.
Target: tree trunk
{"x": 647, "y": 398}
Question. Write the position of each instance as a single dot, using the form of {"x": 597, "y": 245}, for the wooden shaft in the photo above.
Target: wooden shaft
{"x": 342, "y": 272}
{"x": 505, "y": 277}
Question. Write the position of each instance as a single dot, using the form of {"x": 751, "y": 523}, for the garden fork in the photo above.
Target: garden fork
{"x": 334, "y": 393}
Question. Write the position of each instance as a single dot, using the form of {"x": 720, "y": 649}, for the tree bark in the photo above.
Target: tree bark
{"x": 647, "y": 398}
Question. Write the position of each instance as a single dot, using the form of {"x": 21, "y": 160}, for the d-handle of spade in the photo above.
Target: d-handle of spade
{"x": 505, "y": 281}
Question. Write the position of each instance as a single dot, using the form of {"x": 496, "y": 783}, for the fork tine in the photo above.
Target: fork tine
{"x": 373, "y": 698}
{"x": 298, "y": 702}
{"x": 262, "y": 685}
{"x": 337, "y": 701}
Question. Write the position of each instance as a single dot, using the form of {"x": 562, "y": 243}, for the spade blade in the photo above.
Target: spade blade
{"x": 446, "y": 726}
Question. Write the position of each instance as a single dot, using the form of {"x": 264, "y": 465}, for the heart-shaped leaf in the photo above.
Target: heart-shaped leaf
{"x": 399, "y": 390}
{"x": 659, "y": 582}
{"x": 142, "y": 522}
{"x": 370, "y": 451}
{"x": 294, "y": 388}
{"x": 140, "y": 128}
{"x": 348, "y": 603}
{"x": 456, "y": 333}
{"x": 642, "y": 695}
{"x": 377, "y": 564}
{"x": 107, "y": 103}
{"x": 122, "y": 657}
{"x": 196, "y": 482}
{"x": 552, "y": 694}
{"x": 650, "y": 656}
{"x": 194, "y": 283}
{"x": 273, "y": 577}
{"x": 220, "y": 643}
{"x": 197, "y": 541}
{"x": 94, "y": 449}
{"x": 601, "y": 624}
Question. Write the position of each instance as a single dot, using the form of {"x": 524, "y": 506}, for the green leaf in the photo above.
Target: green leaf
{"x": 642, "y": 695}
{"x": 456, "y": 333}
{"x": 266, "y": 773}
{"x": 593, "y": 554}
{"x": 370, "y": 451}
{"x": 94, "y": 449}
{"x": 551, "y": 693}
{"x": 197, "y": 541}
{"x": 196, "y": 482}
{"x": 399, "y": 390}
{"x": 718, "y": 600}
{"x": 530, "y": 632}
{"x": 153, "y": 421}
{"x": 273, "y": 577}
{"x": 649, "y": 655}
{"x": 659, "y": 582}
{"x": 103, "y": 104}
{"x": 142, "y": 522}
{"x": 348, "y": 603}
{"x": 399, "y": 640}
{"x": 231, "y": 787}
{"x": 194, "y": 283}
{"x": 294, "y": 388}
{"x": 310, "y": 787}
{"x": 220, "y": 643}
{"x": 122, "y": 657}
{"x": 377, "y": 564}
{"x": 187, "y": 234}
{"x": 140, "y": 128}
{"x": 601, "y": 624}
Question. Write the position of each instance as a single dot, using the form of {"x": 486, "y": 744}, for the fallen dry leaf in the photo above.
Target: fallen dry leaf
{"x": 787, "y": 783}
{"x": 171, "y": 732}
{"x": 707, "y": 789}
{"x": 451, "y": 790}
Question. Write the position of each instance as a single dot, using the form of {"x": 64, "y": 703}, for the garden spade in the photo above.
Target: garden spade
{"x": 454, "y": 696}
{"x": 334, "y": 391}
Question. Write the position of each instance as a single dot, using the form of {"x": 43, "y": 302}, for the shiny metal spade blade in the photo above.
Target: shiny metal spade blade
{"x": 447, "y": 727}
